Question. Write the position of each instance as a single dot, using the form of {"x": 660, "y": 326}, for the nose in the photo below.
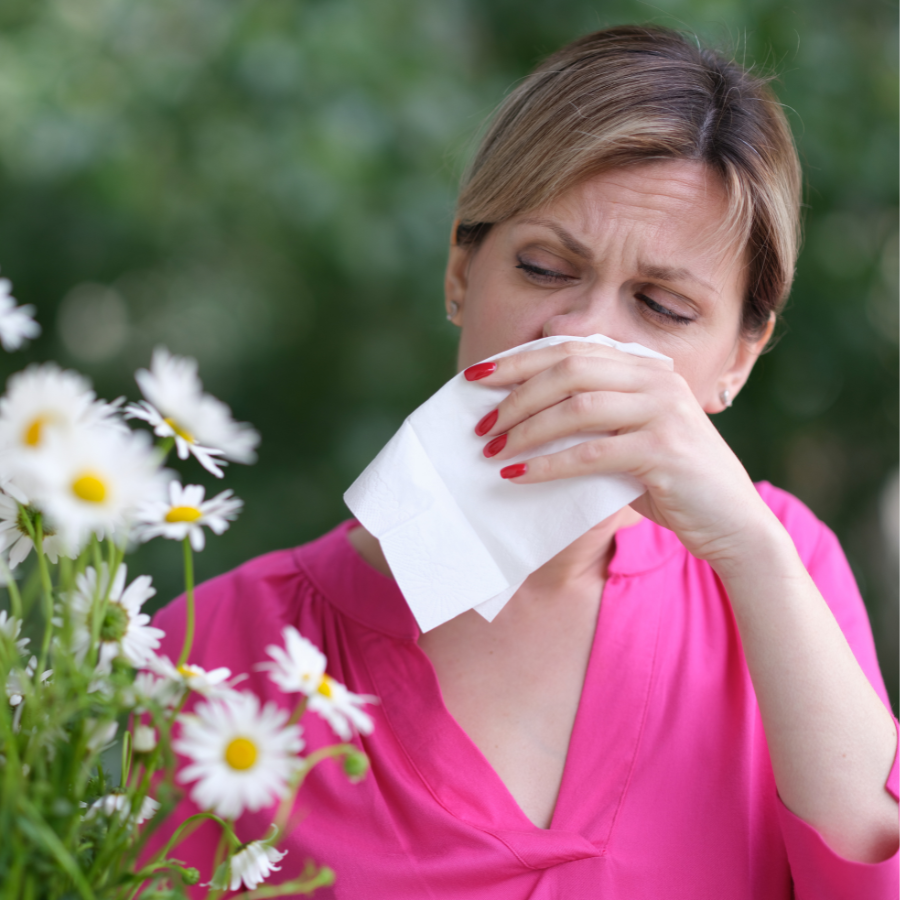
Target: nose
{"x": 599, "y": 311}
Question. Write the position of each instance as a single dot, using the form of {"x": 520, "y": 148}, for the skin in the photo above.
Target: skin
{"x": 642, "y": 254}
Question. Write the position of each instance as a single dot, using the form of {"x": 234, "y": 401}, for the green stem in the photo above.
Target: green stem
{"x": 287, "y": 803}
{"x": 165, "y": 447}
{"x": 41, "y": 831}
{"x": 297, "y": 714}
{"x": 189, "y": 597}
{"x": 46, "y": 591}
{"x": 185, "y": 828}
{"x": 219, "y": 857}
{"x": 305, "y": 884}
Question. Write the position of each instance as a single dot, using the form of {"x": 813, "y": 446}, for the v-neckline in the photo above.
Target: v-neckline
{"x": 602, "y": 747}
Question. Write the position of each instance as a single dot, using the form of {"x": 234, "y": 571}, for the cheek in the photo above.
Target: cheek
{"x": 702, "y": 370}
{"x": 494, "y": 319}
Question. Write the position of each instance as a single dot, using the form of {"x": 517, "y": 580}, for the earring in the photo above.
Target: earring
{"x": 454, "y": 310}
{"x": 725, "y": 397}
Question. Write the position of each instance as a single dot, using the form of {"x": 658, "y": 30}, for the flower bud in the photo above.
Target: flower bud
{"x": 144, "y": 739}
{"x": 356, "y": 764}
{"x": 190, "y": 876}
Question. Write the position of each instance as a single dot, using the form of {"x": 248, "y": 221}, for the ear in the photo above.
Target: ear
{"x": 737, "y": 371}
{"x": 456, "y": 278}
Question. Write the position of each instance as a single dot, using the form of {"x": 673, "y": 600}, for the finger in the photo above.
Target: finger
{"x": 594, "y": 411}
{"x": 570, "y": 376}
{"x": 624, "y": 454}
{"x": 521, "y": 366}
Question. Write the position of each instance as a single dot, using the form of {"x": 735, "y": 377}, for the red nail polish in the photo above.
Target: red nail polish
{"x": 492, "y": 448}
{"x": 482, "y": 370}
{"x": 487, "y": 423}
{"x": 514, "y": 471}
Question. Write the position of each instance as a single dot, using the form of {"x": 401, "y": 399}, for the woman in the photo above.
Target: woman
{"x": 685, "y": 702}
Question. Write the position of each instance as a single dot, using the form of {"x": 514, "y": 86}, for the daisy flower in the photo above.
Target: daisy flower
{"x": 301, "y": 668}
{"x": 45, "y": 398}
{"x": 243, "y": 757}
{"x": 16, "y": 690}
{"x": 252, "y": 864}
{"x": 16, "y": 322}
{"x": 119, "y": 804}
{"x": 125, "y": 631}
{"x": 10, "y": 627}
{"x": 14, "y": 535}
{"x": 148, "y": 688}
{"x": 185, "y": 513}
{"x": 192, "y": 678}
{"x": 93, "y": 482}
{"x": 175, "y": 406}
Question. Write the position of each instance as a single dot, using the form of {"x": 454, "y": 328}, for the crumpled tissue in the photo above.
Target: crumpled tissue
{"x": 456, "y": 535}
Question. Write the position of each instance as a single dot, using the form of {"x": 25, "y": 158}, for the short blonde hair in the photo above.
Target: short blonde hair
{"x": 629, "y": 95}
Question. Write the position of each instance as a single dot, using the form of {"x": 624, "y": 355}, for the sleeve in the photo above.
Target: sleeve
{"x": 817, "y": 871}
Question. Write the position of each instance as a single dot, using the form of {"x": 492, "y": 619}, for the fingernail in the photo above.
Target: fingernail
{"x": 482, "y": 370}
{"x": 487, "y": 423}
{"x": 495, "y": 446}
{"x": 514, "y": 471}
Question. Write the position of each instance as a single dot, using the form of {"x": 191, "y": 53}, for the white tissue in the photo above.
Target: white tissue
{"x": 456, "y": 535}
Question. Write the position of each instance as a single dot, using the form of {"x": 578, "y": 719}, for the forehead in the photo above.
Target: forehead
{"x": 679, "y": 207}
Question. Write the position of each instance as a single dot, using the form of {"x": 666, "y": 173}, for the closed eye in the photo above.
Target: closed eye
{"x": 658, "y": 311}
{"x": 544, "y": 276}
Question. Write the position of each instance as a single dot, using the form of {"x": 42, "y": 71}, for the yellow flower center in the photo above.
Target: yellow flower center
{"x": 186, "y": 671}
{"x": 34, "y": 432}
{"x": 89, "y": 487}
{"x": 324, "y": 687}
{"x": 179, "y": 430}
{"x": 183, "y": 514}
{"x": 240, "y": 753}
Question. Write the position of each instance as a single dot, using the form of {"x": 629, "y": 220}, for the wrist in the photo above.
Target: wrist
{"x": 761, "y": 550}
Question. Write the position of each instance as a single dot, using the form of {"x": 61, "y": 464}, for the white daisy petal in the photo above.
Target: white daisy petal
{"x": 10, "y": 627}
{"x": 175, "y": 406}
{"x": 252, "y": 864}
{"x": 214, "y": 683}
{"x": 119, "y": 804}
{"x": 16, "y": 322}
{"x": 243, "y": 757}
{"x": 125, "y": 631}
{"x": 301, "y": 668}
{"x": 92, "y": 481}
{"x": 185, "y": 514}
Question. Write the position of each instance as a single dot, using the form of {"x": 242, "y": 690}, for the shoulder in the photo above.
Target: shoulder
{"x": 810, "y": 534}
{"x": 240, "y": 612}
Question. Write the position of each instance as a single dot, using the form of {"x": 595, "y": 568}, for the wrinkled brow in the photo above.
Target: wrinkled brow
{"x": 659, "y": 273}
{"x": 565, "y": 238}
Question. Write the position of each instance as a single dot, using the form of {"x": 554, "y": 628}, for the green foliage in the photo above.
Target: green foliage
{"x": 268, "y": 185}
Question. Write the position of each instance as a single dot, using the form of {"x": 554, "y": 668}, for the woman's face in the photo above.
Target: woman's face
{"x": 638, "y": 254}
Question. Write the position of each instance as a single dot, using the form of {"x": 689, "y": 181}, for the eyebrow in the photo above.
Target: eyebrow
{"x": 565, "y": 238}
{"x": 647, "y": 270}
{"x": 665, "y": 273}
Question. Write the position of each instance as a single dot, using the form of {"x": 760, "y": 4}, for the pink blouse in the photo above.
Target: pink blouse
{"x": 667, "y": 790}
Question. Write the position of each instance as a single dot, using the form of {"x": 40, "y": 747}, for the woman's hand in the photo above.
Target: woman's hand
{"x": 830, "y": 739}
{"x": 652, "y": 428}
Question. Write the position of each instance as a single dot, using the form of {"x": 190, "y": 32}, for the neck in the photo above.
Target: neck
{"x": 585, "y": 558}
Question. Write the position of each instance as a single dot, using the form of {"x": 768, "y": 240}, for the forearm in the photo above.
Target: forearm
{"x": 830, "y": 738}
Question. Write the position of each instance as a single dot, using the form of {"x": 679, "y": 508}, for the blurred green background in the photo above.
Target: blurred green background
{"x": 268, "y": 185}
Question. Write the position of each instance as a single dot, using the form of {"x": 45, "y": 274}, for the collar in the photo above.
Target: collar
{"x": 373, "y": 600}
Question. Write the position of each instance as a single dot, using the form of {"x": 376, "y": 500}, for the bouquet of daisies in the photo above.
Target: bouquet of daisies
{"x": 96, "y": 744}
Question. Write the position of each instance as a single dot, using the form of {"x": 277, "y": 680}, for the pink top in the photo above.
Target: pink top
{"x": 667, "y": 790}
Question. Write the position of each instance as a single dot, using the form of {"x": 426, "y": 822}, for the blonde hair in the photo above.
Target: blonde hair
{"x": 629, "y": 95}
